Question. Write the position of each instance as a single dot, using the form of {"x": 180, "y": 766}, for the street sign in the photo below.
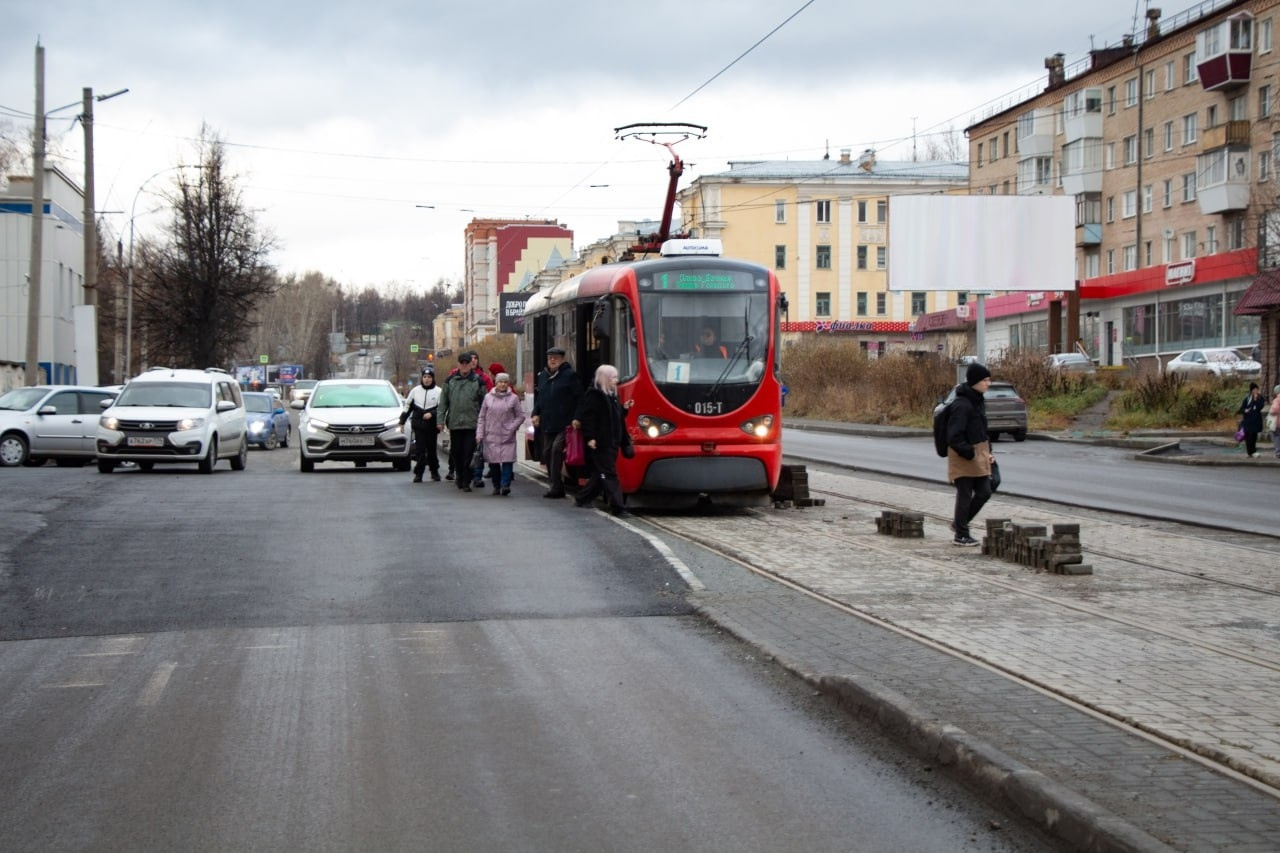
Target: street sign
{"x": 413, "y": 347}
{"x": 263, "y": 359}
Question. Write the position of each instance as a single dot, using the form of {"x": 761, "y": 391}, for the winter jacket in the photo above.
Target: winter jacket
{"x": 498, "y": 429}
{"x": 556, "y": 398}
{"x": 420, "y": 403}
{"x": 1250, "y": 412}
{"x": 968, "y": 444}
{"x": 604, "y": 420}
{"x": 460, "y": 401}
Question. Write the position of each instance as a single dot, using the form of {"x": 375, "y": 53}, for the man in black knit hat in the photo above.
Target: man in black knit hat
{"x": 969, "y": 457}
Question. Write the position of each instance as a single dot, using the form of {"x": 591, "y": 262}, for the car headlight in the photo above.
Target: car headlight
{"x": 654, "y": 427}
{"x": 316, "y": 423}
{"x": 257, "y": 426}
{"x": 394, "y": 425}
{"x": 190, "y": 423}
{"x": 109, "y": 422}
{"x": 759, "y": 427}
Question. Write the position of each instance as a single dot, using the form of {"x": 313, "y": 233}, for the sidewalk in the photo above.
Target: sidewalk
{"x": 1082, "y": 702}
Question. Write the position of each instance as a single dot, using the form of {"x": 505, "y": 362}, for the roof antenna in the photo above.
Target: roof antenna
{"x": 827, "y": 156}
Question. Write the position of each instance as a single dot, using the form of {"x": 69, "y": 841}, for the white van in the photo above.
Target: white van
{"x": 167, "y": 415}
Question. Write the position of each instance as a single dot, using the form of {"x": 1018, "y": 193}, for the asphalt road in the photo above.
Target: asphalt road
{"x": 347, "y": 661}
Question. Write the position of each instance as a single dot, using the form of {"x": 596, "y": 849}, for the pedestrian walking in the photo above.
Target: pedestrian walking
{"x": 1274, "y": 419}
{"x": 604, "y": 430}
{"x": 1250, "y": 413}
{"x": 969, "y": 457}
{"x": 497, "y": 430}
{"x": 557, "y": 392}
{"x": 459, "y": 410}
{"x": 420, "y": 411}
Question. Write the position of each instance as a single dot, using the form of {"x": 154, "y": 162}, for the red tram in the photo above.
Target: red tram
{"x": 707, "y": 417}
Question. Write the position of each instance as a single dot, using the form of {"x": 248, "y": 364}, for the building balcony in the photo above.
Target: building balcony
{"x": 1078, "y": 183}
{"x": 1224, "y": 53}
{"x": 1228, "y": 133}
{"x": 1082, "y": 125}
{"x": 1226, "y": 71}
{"x": 1089, "y": 234}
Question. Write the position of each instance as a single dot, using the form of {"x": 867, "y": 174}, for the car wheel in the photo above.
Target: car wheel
{"x": 240, "y": 459}
{"x": 210, "y": 457}
{"x": 106, "y": 466}
{"x": 1020, "y": 435}
{"x": 306, "y": 464}
{"x": 272, "y": 442}
{"x": 13, "y": 450}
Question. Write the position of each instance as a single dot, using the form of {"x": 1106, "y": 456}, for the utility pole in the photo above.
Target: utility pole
{"x": 31, "y": 374}
{"x": 90, "y": 218}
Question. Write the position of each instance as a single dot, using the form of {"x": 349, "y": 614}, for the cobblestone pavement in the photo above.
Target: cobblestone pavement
{"x": 1174, "y": 634}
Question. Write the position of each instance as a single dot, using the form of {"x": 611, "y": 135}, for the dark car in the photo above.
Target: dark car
{"x": 1006, "y": 411}
{"x": 266, "y": 420}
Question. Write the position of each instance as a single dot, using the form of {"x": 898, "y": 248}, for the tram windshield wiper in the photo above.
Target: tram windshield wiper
{"x": 733, "y": 359}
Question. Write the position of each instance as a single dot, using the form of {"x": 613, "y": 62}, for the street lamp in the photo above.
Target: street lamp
{"x": 128, "y": 301}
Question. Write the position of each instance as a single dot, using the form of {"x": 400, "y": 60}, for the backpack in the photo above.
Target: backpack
{"x": 940, "y": 421}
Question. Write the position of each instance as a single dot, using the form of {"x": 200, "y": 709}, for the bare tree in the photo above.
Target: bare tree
{"x": 292, "y": 325}
{"x": 201, "y": 287}
{"x": 946, "y": 145}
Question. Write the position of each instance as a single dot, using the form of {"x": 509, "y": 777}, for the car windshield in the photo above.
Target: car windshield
{"x": 182, "y": 395}
{"x": 258, "y": 403}
{"x": 354, "y": 397}
{"x": 21, "y": 399}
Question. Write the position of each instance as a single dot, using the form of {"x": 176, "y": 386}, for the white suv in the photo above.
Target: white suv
{"x": 167, "y": 415}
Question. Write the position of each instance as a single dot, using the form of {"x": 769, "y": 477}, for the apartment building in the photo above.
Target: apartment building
{"x": 504, "y": 255}
{"x": 822, "y": 226}
{"x": 1168, "y": 143}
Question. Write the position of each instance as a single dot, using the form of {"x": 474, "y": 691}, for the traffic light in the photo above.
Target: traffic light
{"x": 431, "y": 357}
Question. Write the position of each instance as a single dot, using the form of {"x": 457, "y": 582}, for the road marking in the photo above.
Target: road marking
{"x": 661, "y": 547}
{"x": 156, "y": 684}
{"x": 115, "y": 646}
{"x": 71, "y": 684}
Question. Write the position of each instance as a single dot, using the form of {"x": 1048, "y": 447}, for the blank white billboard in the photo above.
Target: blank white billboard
{"x": 981, "y": 243}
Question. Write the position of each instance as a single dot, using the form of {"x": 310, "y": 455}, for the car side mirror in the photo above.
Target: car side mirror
{"x": 298, "y": 404}
{"x": 48, "y": 409}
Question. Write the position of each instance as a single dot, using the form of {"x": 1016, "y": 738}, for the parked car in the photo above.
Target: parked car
{"x": 168, "y": 415}
{"x": 377, "y": 359}
{"x": 352, "y": 420}
{"x": 58, "y": 422}
{"x": 1215, "y": 361}
{"x": 301, "y": 389}
{"x": 1072, "y": 362}
{"x": 266, "y": 420}
{"x": 1006, "y": 411}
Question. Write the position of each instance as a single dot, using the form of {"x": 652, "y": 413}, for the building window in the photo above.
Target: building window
{"x": 1131, "y": 92}
{"x": 1168, "y": 136}
{"x": 1211, "y": 240}
{"x": 1130, "y": 150}
{"x": 1238, "y": 108}
{"x": 1169, "y": 79}
{"x": 1111, "y": 208}
{"x": 862, "y": 205}
{"x": 1149, "y": 142}
{"x": 862, "y": 257}
{"x": 1211, "y": 115}
{"x": 881, "y": 254}
{"x": 1264, "y": 166}
{"x": 1189, "y": 244}
{"x": 1151, "y": 85}
{"x": 979, "y": 166}
{"x": 779, "y": 211}
{"x": 1235, "y": 233}
{"x": 1166, "y": 252}
{"x": 1264, "y": 36}
{"x": 1111, "y": 100}
{"x": 823, "y": 307}
{"x": 824, "y": 257}
{"x": 882, "y": 211}
{"x": 1129, "y": 204}
{"x": 1111, "y": 261}
{"x": 1168, "y": 192}
{"x": 1189, "y": 187}
{"x": 1147, "y": 195}
{"x": 1129, "y": 258}
{"x": 919, "y": 302}
{"x": 880, "y": 302}
{"x": 1109, "y": 156}
{"x": 780, "y": 257}
{"x": 1189, "y": 129}
{"x": 862, "y": 304}
{"x": 824, "y": 210}
{"x": 1092, "y": 264}
{"x": 994, "y": 147}
{"x": 1189, "y": 72}
{"x": 1146, "y": 253}
{"x": 1264, "y": 102}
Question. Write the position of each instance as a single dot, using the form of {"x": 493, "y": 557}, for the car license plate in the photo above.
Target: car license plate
{"x": 355, "y": 441}
{"x": 146, "y": 441}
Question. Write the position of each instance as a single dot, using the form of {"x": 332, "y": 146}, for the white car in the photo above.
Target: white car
{"x": 352, "y": 420}
{"x": 58, "y": 422}
{"x": 1216, "y": 361}
{"x": 1071, "y": 362}
{"x": 167, "y": 416}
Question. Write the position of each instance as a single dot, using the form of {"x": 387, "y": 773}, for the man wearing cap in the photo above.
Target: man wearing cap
{"x": 969, "y": 457}
{"x": 557, "y": 392}
{"x": 420, "y": 411}
{"x": 459, "y": 410}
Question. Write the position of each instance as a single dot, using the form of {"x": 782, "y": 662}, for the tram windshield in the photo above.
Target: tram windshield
{"x": 706, "y": 338}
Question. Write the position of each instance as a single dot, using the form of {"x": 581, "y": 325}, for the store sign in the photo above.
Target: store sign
{"x": 511, "y": 316}
{"x": 1183, "y": 272}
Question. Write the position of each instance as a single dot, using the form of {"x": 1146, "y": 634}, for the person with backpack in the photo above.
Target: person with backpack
{"x": 969, "y": 456}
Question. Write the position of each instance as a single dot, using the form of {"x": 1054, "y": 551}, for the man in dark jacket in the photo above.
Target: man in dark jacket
{"x": 458, "y": 412}
{"x": 557, "y": 393}
{"x": 969, "y": 457}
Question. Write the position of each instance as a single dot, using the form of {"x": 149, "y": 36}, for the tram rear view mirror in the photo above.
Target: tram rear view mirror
{"x": 602, "y": 319}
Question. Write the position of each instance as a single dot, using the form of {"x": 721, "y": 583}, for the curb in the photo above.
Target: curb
{"x": 1061, "y": 812}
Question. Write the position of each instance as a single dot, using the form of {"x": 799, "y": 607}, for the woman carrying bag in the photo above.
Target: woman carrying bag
{"x": 604, "y": 430}
{"x": 1250, "y": 412}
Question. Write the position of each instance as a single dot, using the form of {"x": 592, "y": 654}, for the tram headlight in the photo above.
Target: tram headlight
{"x": 760, "y": 427}
{"x": 655, "y": 427}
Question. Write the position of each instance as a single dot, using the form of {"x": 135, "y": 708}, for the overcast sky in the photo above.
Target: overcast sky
{"x": 341, "y": 118}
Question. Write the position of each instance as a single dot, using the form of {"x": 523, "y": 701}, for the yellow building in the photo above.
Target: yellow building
{"x": 822, "y": 226}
